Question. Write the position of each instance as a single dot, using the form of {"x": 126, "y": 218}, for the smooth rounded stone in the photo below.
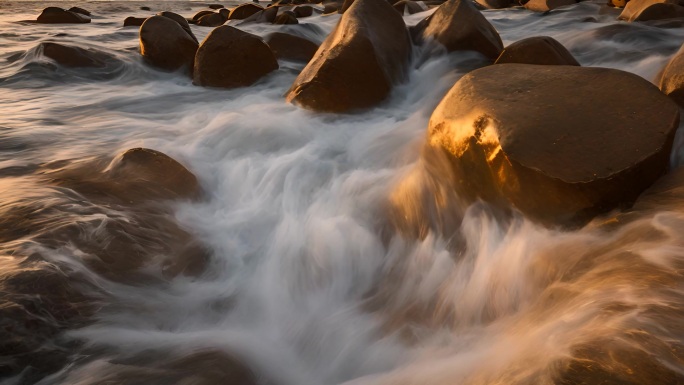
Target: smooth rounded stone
{"x": 661, "y": 11}
{"x": 215, "y": 6}
{"x": 542, "y": 50}
{"x": 287, "y": 17}
{"x": 230, "y": 58}
{"x": 183, "y": 22}
{"x": 199, "y": 15}
{"x": 303, "y": 11}
{"x": 634, "y": 8}
{"x": 358, "y": 63}
{"x": 244, "y": 11}
{"x": 672, "y": 78}
{"x": 166, "y": 45}
{"x": 153, "y": 175}
{"x": 76, "y": 57}
{"x": 268, "y": 15}
{"x": 79, "y": 10}
{"x": 409, "y": 7}
{"x": 144, "y": 8}
{"x": 330, "y": 7}
{"x": 459, "y": 26}
{"x": 291, "y": 47}
{"x": 547, "y": 5}
{"x": 559, "y": 143}
{"x": 54, "y": 15}
{"x": 212, "y": 20}
{"x": 495, "y": 4}
{"x": 134, "y": 21}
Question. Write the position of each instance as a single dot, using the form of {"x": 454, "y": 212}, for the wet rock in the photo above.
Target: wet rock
{"x": 69, "y": 56}
{"x": 218, "y": 63}
{"x": 183, "y": 22}
{"x": 199, "y": 15}
{"x": 291, "y": 47}
{"x": 409, "y": 7}
{"x": 356, "y": 66}
{"x": 458, "y": 26}
{"x": 645, "y": 10}
{"x": 542, "y": 50}
{"x": 547, "y": 5}
{"x": 287, "y": 17}
{"x": 494, "y": 4}
{"x": 54, "y": 15}
{"x": 145, "y": 8}
{"x": 212, "y": 20}
{"x": 268, "y": 15}
{"x": 672, "y": 78}
{"x": 614, "y": 128}
{"x": 303, "y": 11}
{"x": 244, "y": 11}
{"x": 79, "y": 10}
{"x": 332, "y": 7}
{"x": 215, "y": 6}
{"x": 166, "y": 45}
{"x": 134, "y": 21}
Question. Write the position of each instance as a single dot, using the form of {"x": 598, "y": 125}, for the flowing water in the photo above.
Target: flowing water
{"x": 306, "y": 282}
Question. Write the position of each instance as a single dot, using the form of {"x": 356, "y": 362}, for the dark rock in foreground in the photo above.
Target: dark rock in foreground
{"x": 291, "y": 47}
{"x": 672, "y": 79}
{"x": 458, "y": 26}
{"x": 69, "y": 56}
{"x": 542, "y": 50}
{"x": 559, "y": 143}
{"x": 230, "y": 58}
{"x": 166, "y": 45}
{"x": 54, "y": 15}
{"x": 357, "y": 65}
{"x": 644, "y": 10}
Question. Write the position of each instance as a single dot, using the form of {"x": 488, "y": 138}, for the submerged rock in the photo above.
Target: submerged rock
{"x": 672, "y": 79}
{"x": 291, "y": 47}
{"x": 303, "y": 11}
{"x": 356, "y": 66}
{"x": 541, "y": 50}
{"x": 244, "y": 11}
{"x": 230, "y": 58}
{"x": 644, "y": 10}
{"x": 166, "y": 45}
{"x": 589, "y": 140}
{"x": 547, "y": 5}
{"x": 459, "y": 26}
{"x": 69, "y": 56}
{"x": 54, "y": 15}
{"x": 134, "y": 21}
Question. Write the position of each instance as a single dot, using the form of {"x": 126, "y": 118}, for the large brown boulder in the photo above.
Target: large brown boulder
{"x": 547, "y": 5}
{"x": 69, "y": 56}
{"x": 268, "y": 15}
{"x": 542, "y": 50}
{"x": 79, "y": 10}
{"x": 55, "y": 15}
{"x": 166, "y": 45}
{"x": 559, "y": 143}
{"x": 212, "y": 20}
{"x": 229, "y": 58}
{"x": 672, "y": 78}
{"x": 183, "y": 22}
{"x": 199, "y": 15}
{"x": 356, "y": 66}
{"x": 244, "y": 11}
{"x": 459, "y": 26}
{"x": 291, "y": 47}
{"x": 644, "y": 10}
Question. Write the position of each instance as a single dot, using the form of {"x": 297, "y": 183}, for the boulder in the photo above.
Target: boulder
{"x": 183, "y": 22}
{"x": 409, "y": 7}
{"x": 215, "y": 6}
{"x": 244, "y": 11}
{"x": 144, "y": 8}
{"x": 547, "y": 5}
{"x": 230, "y": 58}
{"x": 542, "y": 50}
{"x": 303, "y": 11}
{"x": 458, "y": 26}
{"x": 287, "y": 17}
{"x": 672, "y": 78}
{"x": 134, "y": 21}
{"x": 291, "y": 47}
{"x": 644, "y": 10}
{"x": 559, "y": 143}
{"x": 494, "y": 4}
{"x": 69, "y": 56}
{"x": 268, "y": 15}
{"x": 212, "y": 20}
{"x": 199, "y": 15}
{"x": 166, "y": 45}
{"x": 54, "y": 15}
{"x": 332, "y": 7}
{"x": 79, "y": 10}
{"x": 357, "y": 64}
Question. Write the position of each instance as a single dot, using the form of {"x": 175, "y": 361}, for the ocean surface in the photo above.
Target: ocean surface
{"x": 306, "y": 283}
